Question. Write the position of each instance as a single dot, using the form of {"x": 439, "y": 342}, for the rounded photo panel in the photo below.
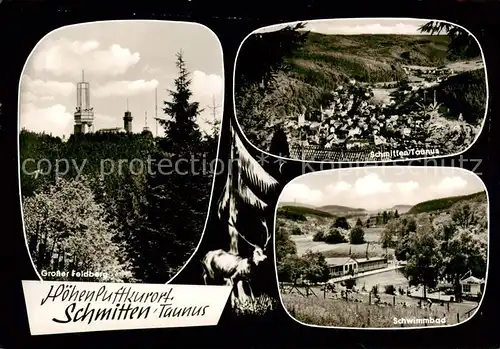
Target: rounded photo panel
{"x": 385, "y": 248}
{"x": 361, "y": 90}
{"x": 118, "y": 139}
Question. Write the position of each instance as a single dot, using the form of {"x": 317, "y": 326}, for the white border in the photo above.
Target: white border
{"x": 218, "y": 142}
{"x": 423, "y": 168}
{"x": 281, "y": 25}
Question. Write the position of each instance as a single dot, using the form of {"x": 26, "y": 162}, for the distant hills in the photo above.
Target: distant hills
{"x": 332, "y": 210}
{"x": 295, "y": 204}
{"x": 300, "y": 212}
{"x": 337, "y": 209}
{"x": 446, "y": 203}
{"x": 300, "y": 209}
{"x": 402, "y": 208}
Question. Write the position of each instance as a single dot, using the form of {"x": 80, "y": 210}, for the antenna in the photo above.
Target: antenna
{"x": 127, "y": 105}
{"x": 83, "y": 75}
{"x": 156, "y": 110}
{"x": 146, "y": 119}
{"x": 214, "y": 107}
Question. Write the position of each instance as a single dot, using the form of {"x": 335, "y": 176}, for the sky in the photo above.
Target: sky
{"x": 359, "y": 26}
{"x": 121, "y": 59}
{"x": 374, "y": 188}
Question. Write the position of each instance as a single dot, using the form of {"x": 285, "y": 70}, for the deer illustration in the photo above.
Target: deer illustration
{"x": 222, "y": 267}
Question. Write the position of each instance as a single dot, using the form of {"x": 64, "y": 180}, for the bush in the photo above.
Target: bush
{"x": 357, "y": 236}
{"x": 341, "y": 222}
{"x": 296, "y": 231}
{"x": 334, "y": 236}
{"x": 390, "y": 289}
{"x": 319, "y": 236}
{"x": 350, "y": 283}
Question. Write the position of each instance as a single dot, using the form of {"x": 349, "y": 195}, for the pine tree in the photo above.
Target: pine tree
{"x": 178, "y": 194}
{"x": 181, "y": 131}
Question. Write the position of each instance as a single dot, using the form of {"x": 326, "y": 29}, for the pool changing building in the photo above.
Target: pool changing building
{"x": 349, "y": 265}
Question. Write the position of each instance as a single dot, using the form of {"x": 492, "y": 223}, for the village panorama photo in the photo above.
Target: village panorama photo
{"x": 119, "y": 130}
{"x": 383, "y": 247}
{"x": 357, "y": 90}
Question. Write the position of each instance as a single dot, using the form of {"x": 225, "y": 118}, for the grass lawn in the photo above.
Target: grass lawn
{"x": 372, "y": 235}
{"x": 340, "y": 313}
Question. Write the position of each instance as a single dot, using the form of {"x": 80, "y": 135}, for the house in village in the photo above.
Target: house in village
{"x": 371, "y": 221}
{"x": 350, "y": 265}
{"x": 472, "y": 287}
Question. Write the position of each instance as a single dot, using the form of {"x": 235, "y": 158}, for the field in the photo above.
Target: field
{"x": 340, "y": 313}
{"x": 372, "y": 235}
{"x": 315, "y": 223}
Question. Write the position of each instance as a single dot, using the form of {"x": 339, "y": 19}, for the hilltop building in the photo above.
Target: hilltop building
{"x": 145, "y": 129}
{"x": 84, "y": 114}
{"x": 127, "y": 121}
{"x": 127, "y": 124}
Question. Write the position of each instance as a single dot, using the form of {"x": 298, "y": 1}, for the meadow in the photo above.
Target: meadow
{"x": 314, "y": 223}
{"x": 340, "y": 313}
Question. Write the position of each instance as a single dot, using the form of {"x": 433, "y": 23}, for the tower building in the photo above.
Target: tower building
{"x": 127, "y": 121}
{"x": 84, "y": 114}
{"x": 145, "y": 129}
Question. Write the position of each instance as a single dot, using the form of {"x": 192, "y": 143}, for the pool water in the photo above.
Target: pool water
{"x": 392, "y": 277}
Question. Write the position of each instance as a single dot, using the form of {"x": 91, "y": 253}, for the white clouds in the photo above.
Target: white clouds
{"x": 377, "y": 190}
{"x": 36, "y": 89}
{"x": 357, "y": 27}
{"x": 125, "y": 88}
{"x": 30, "y": 97}
{"x": 371, "y": 184}
{"x": 150, "y": 70}
{"x": 450, "y": 185}
{"x": 367, "y": 188}
{"x": 54, "y": 118}
{"x": 206, "y": 85}
{"x": 338, "y": 188}
{"x": 272, "y": 28}
{"x": 206, "y": 88}
{"x": 63, "y": 56}
{"x": 302, "y": 193}
{"x": 57, "y": 120}
{"x": 407, "y": 187}
{"x": 378, "y": 28}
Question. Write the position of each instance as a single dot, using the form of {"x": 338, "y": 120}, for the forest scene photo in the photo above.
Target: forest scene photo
{"x": 361, "y": 90}
{"x": 118, "y": 188}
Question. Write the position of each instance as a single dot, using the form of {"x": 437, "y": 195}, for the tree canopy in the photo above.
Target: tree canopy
{"x": 68, "y": 230}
